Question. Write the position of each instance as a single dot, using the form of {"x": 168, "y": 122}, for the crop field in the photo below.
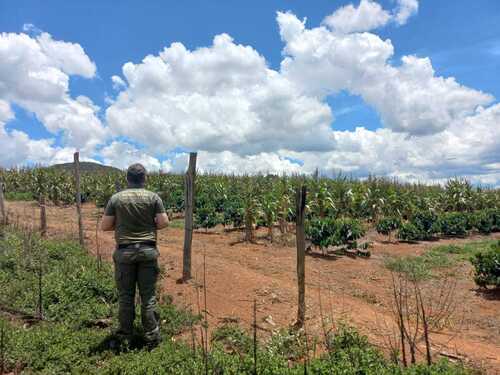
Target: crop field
{"x": 366, "y": 240}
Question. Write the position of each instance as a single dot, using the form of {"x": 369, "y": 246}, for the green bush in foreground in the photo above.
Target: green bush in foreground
{"x": 487, "y": 267}
{"x": 73, "y": 290}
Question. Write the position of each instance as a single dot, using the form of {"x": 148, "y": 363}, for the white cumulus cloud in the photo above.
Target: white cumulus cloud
{"x": 368, "y": 15}
{"x": 118, "y": 82}
{"x": 409, "y": 98}
{"x": 34, "y": 75}
{"x": 122, "y": 154}
{"x": 404, "y": 10}
{"x": 227, "y": 162}
{"x": 222, "y": 97}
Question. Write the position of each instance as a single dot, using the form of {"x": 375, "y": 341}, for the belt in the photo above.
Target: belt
{"x": 136, "y": 245}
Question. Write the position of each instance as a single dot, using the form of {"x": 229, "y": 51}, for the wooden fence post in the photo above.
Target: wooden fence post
{"x": 97, "y": 244}
{"x": 300, "y": 205}
{"x": 78, "y": 197}
{"x": 188, "y": 216}
{"x": 43, "y": 216}
{"x": 2, "y": 205}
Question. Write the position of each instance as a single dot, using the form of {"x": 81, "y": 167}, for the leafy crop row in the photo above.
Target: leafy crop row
{"x": 424, "y": 225}
{"x": 416, "y": 211}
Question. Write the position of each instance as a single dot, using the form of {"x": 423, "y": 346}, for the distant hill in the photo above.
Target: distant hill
{"x": 87, "y": 166}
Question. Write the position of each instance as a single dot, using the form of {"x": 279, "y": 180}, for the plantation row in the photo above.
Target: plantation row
{"x": 334, "y": 206}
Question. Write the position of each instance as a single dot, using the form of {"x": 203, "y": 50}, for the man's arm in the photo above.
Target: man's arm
{"x": 108, "y": 223}
{"x": 108, "y": 219}
{"x": 161, "y": 220}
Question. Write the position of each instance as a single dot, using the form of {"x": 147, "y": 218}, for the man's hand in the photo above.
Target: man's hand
{"x": 161, "y": 221}
{"x": 108, "y": 223}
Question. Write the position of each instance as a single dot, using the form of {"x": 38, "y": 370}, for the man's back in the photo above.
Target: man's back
{"x": 135, "y": 214}
{"x": 134, "y": 210}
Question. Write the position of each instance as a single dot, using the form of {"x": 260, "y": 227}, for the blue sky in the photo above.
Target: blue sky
{"x": 461, "y": 38}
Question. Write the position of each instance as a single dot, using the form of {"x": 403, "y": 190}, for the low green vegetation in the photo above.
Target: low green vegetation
{"x": 387, "y": 225}
{"x": 442, "y": 257}
{"x": 71, "y": 287}
{"x": 453, "y": 224}
{"x": 487, "y": 267}
{"x": 18, "y": 196}
{"x": 79, "y": 302}
{"x": 425, "y": 225}
{"x": 177, "y": 223}
{"x": 334, "y": 232}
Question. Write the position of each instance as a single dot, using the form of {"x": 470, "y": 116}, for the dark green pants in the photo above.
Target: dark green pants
{"x": 137, "y": 267}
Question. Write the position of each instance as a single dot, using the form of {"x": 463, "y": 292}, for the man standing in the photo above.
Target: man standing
{"x": 135, "y": 214}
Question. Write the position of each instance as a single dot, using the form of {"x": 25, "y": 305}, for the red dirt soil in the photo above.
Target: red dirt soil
{"x": 353, "y": 290}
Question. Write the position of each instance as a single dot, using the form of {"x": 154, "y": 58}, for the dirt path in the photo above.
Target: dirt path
{"x": 355, "y": 290}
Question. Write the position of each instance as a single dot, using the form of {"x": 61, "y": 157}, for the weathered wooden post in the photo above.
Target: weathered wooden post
{"x": 188, "y": 216}
{"x": 2, "y": 205}
{"x": 97, "y": 244}
{"x": 43, "y": 216}
{"x": 300, "y": 205}
{"x": 76, "y": 158}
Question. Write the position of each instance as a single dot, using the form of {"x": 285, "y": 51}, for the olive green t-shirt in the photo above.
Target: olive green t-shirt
{"x": 134, "y": 211}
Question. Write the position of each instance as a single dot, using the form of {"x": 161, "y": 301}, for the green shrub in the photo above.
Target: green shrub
{"x": 288, "y": 343}
{"x": 232, "y": 338}
{"x": 409, "y": 232}
{"x": 427, "y": 224}
{"x": 416, "y": 268}
{"x": 18, "y": 196}
{"x": 487, "y": 267}
{"x": 387, "y": 225}
{"x": 73, "y": 288}
{"x": 320, "y": 232}
{"x": 234, "y": 214}
{"x": 453, "y": 223}
{"x": 495, "y": 214}
{"x": 334, "y": 232}
{"x": 348, "y": 231}
{"x": 486, "y": 221}
{"x": 206, "y": 217}
{"x": 346, "y": 338}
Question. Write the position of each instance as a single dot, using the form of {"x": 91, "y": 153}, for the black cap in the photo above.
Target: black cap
{"x": 136, "y": 174}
